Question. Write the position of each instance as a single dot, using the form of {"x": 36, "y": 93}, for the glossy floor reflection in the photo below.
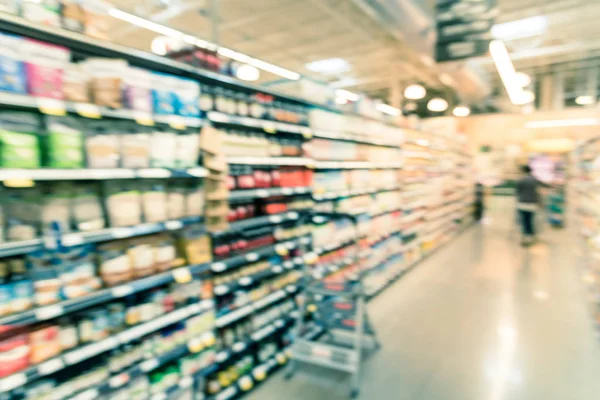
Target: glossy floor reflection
{"x": 482, "y": 319}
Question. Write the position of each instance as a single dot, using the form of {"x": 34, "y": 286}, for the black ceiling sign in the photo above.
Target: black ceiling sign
{"x": 463, "y": 28}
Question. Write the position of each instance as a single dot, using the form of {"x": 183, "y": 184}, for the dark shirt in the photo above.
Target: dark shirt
{"x": 527, "y": 190}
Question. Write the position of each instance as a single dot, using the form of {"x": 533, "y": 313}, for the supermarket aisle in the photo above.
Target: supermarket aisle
{"x": 482, "y": 319}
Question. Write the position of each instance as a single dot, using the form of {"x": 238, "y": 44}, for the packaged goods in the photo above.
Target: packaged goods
{"x": 44, "y": 65}
{"x": 187, "y": 95}
{"x": 45, "y": 12}
{"x": 44, "y": 272}
{"x": 23, "y": 216}
{"x": 194, "y": 243}
{"x": 163, "y": 148}
{"x": 194, "y": 203}
{"x": 12, "y": 69}
{"x": 72, "y": 15}
{"x": 19, "y": 146}
{"x": 63, "y": 143}
{"x": 106, "y": 80}
{"x": 22, "y": 295}
{"x": 44, "y": 343}
{"x": 86, "y": 207}
{"x": 135, "y": 146}
{"x": 114, "y": 265}
{"x": 165, "y": 253}
{"x": 14, "y": 355}
{"x": 55, "y": 207}
{"x": 141, "y": 256}
{"x": 76, "y": 84}
{"x": 188, "y": 149}
{"x": 77, "y": 272}
{"x": 137, "y": 89}
{"x": 176, "y": 200}
{"x": 122, "y": 203}
{"x": 96, "y": 21}
{"x": 154, "y": 201}
{"x": 164, "y": 99}
{"x": 102, "y": 145}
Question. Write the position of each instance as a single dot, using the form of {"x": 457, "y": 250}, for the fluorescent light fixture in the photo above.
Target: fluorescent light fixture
{"x": 521, "y": 28}
{"x": 387, "y": 109}
{"x": 526, "y": 97}
{"x": 585, "y": 100}
{"x": 225, "y": 52}
{"x": 247, "y": 72}
{"x": 329, "y": 66}
{"x": 159, "y": 45}
{"x": 558, "y": 123}
{"x": 461, "y": 111}
{"x": 346, "y": 94}
{"x": 507, "y": 72}
{"x": 523, "y": 79}
{"x": 414, "y": 92}
{"x": 437, "y": 104}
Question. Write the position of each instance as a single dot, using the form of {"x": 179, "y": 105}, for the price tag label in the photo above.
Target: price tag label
{"x": 274, "y": 219}
{"x": 246, "y": 383}
{"x": 119, "y": 233}
{"x": 281, "y": 250}
{"x": 209, "y": 340}
{"x": 240, "y": 346}
{"x": 270, "y": 128}
{"x": 182, "y": 275}
{"x": 281, "y": 358}
{"x": 44, "y": 313}
{"x": 311, "y": 308}
{"x": 52, "y": 107}
{"x": 143, "y": 118}
{"x": 245, "y": 281}
{"x": 177, "y": 122}
{"x": 173, "y": 225}
{"x": 221, "y": 290}
{"x": 72, "y": 239}
{"x": 277, "y": 269}
{"x": 149, "y": 365}
{"x": 218, "y": 267}
{"x": 186, "y": 382}
{"x": 287, "y": 191}
{"x": 118, "y": 381}
{"x": 122, "y": 291}
{"x": 292, "y": 215}
{"x": 88, "y": 110}
{"x": 307, "y": 133}
{"x": 50, "y": 366}
{"x": 311, "y": 258}
{"x": 260, "y": 373}
{"x": 195, "y": 345}
{"x": 262, "y": 193}
{"x": 251, "y": 257}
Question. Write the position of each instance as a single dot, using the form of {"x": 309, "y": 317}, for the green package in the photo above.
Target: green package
{"x": 63, "y": 143}
{"x": 19, "y": 146}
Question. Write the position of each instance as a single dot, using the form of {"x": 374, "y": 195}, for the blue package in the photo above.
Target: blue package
{"x": 22, "y": 296}
{"x": 187, "y": 98}
{"x": 163, "y": 97}
{"x": 5, "y": 299}
{"x": 12, "y": 68}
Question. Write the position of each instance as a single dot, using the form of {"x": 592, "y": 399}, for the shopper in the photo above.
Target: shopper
{"x": 528, "y": 201}
{"x": 479, "y": 201}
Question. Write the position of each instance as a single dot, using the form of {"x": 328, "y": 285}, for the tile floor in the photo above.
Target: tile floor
{"x": 481, "y": 319}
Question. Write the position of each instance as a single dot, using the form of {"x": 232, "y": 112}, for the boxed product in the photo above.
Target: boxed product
{"x": 12, "y": 69}
{"x": 123, "y": 203}
{"x": 63, "y": 143}
{"x": 163, "y": 148}
{"x": 45, "y": 64}
{"x": 188, "y": 149}
{"x": 44, "y": 343}
{"x": 114, "y": 264}
{"x": 76, "y": 84}
{"x": 106, "y": 80}
{"x": 187, "y": 95}
{"x": 154, "y": 201}
{"x": 19, "y": 146}
{"x": 96, "y": 21}
{"x": 72, "y": 15}
{"x": 102, "y": 145}
{"x": 87, "y": 208}
{"x": 45, "y": 12}
{"x": 135, "y": 146}
{"x": 77, "y": 272}
{"x": 55, "y": 207}
{"x": 163, "y": 96}
{"x": 137, "y": 89}
{"x": 194, "y": 243}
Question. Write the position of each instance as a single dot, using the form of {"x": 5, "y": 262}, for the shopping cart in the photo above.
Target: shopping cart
{"x": 338, "y": 310}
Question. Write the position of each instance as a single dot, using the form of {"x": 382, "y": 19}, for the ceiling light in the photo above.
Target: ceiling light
{"x": 414, "y": 92}
{"x": 346, "y": 94}
{"x": 247, "y": 72}
{"x": 387, "y": 109}
{"x": 557, "y": 123}
{"x": 585, "y": 100}
{"x": 461, "y": 111}
{"x": 526, "y": 97}
{"x": 437, "y": 104}
{"x": 234, "y": 55}
{"x": 329, "y": 66}
{"x": 507, "y": 72}
{"x": 523, "y": 79}
{"x": 520, "y": 28}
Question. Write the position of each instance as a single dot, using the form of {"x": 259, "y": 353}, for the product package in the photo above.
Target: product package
{"x": 42, "y": 268}
{"x": 97, "y": 22}
{"x": 12, "y": 69}
{"x": 165, "y": 252}
{"x": 154, "y": 201}
{"x": 114, "y": 263}
{"x": 76, "y": 84}
{"x": 23, "y": 216}
{"x": 194, "y": 243}
{"x": 137, "y": 89}
{"x": 19, "y": 146}
{"x": 44, "y": 343}
{"x": 194, "y": 205}
{"x": 45, "y": 12}
{"x": 102, "y": 145}
{"x": 122, "y": 203}
{"x": 141, "y": 257}
{"x": 15, "y": 354}
{"x": 188, "y": 149}
{"x": 45, "y": 64}
{"x": 176, "y": 200}
{"x": 55, "y": 207}
{"x": 106, "y": 80}
{"x": 63, "y": 143}
{"x": 187, "y": 95}
{"x": 9, "y": 6}
{"x": 163, "y": 148}
{"x": 135, "y": 146}
{"x": 72, "y": 15}
{"x": 77, "y": 272}
{"x": 164, "y": 99}
{"x": 87, "y": 208}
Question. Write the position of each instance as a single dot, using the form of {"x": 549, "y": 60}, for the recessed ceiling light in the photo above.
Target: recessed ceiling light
{"x": 437, "y": 104}
{"x": 414, "y": 92}
{"x": 329, "y": 66}
{"x": 585, "y": 100}
{"x": 461, "y": 111}
{"x": 247, "y": 72}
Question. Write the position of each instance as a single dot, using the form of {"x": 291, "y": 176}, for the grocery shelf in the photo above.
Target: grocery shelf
{"x": 76, "y": 238}
{"x": 354, "y": 138}
{"x": 268, "y": 192}
{"x": 50, "y": 174}
{"x": 88, "y": 351}
{"x": 93, "y": 111}
{"x": 356, "y": 165}
{"x": 292, "y": 161}
{"x": 351, "y": 192}
{"x": 255, "y": 222}
{"x": 267, "y": 125}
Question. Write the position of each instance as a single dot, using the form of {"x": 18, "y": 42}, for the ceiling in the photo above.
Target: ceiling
{"x": 385, "y": 42}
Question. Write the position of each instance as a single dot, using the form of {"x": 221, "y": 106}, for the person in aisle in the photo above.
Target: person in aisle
{"x": 528, "y": 201}
{"x": 479, "y": 201}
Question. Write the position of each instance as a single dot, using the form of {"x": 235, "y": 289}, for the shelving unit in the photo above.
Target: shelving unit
{"x": 221, "y": 325}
